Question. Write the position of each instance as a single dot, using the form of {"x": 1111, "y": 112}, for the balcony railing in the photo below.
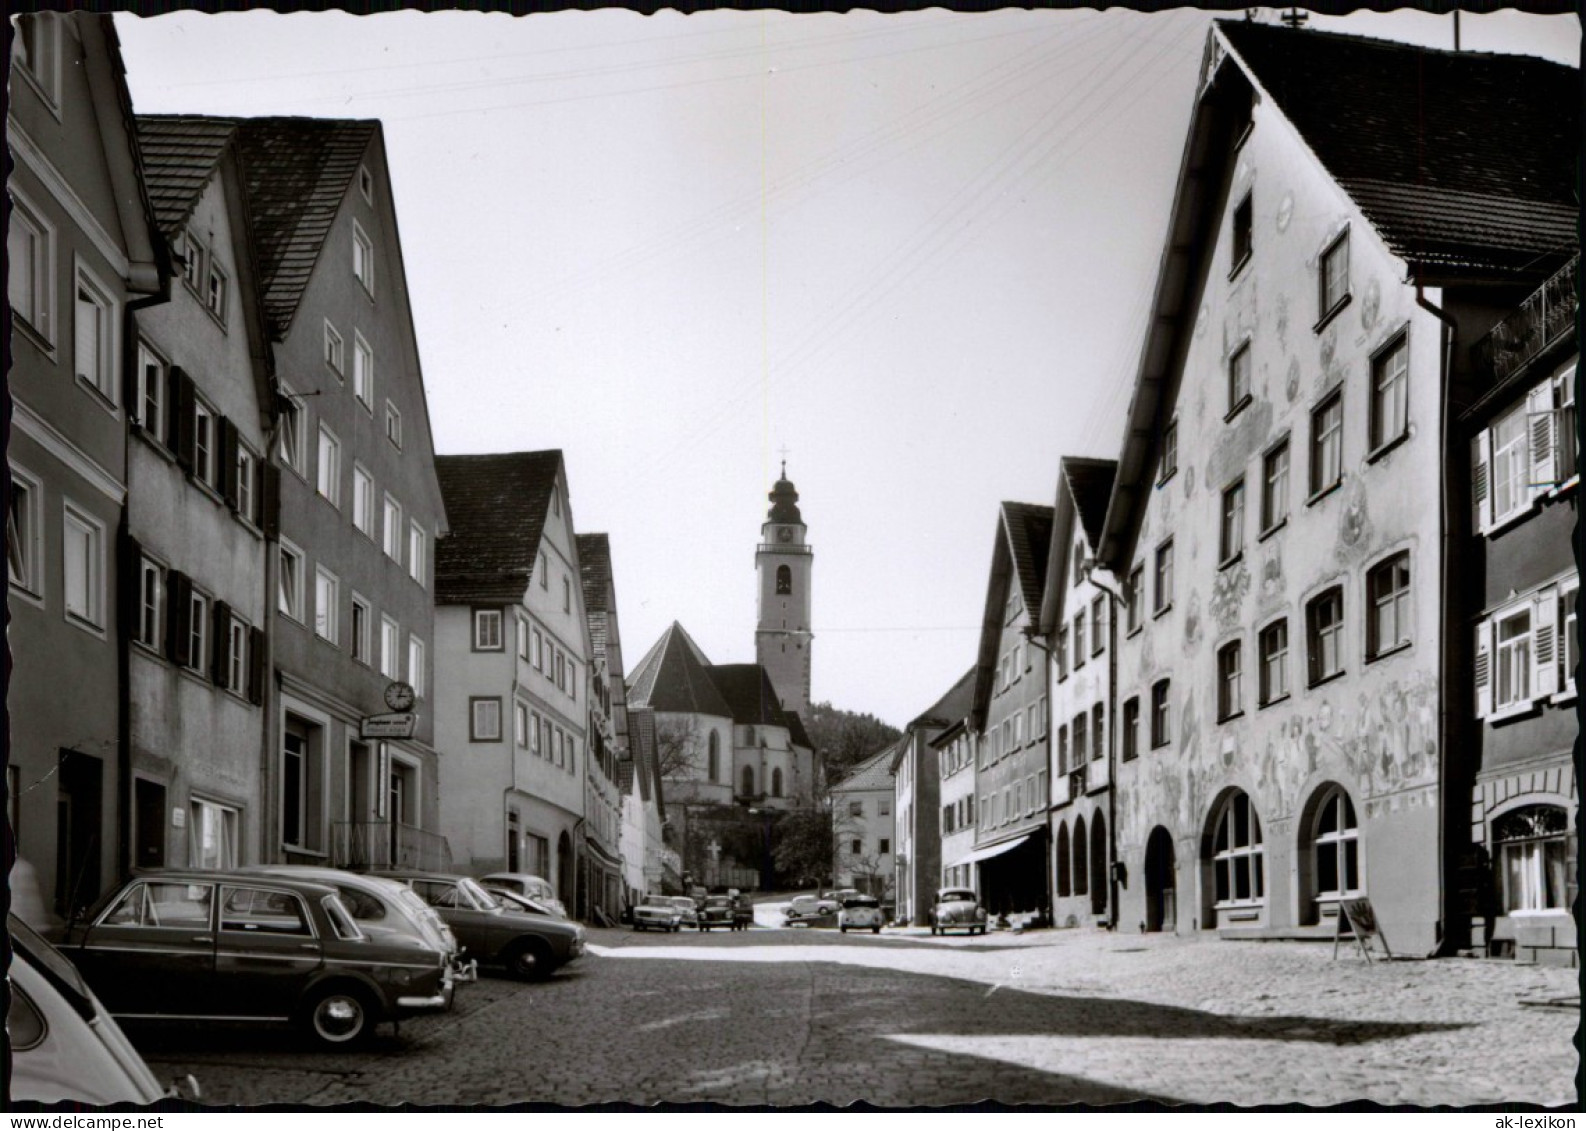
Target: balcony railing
{"x": 1541, "y": 319}
{"x": 361, "y": 845}
{"x": 785, "y": 548}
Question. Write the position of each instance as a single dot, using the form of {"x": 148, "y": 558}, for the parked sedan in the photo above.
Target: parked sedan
{"x": 860, "y": 913}
{"x": 802, "y": 908}
{"x": 202, "y": 945}
{"x": 64, "y": 1046}
{"x": 536, "y": 888}
{"x": 687, "y": 910}
{"x": 957, "y": 909}
{"x": 656, "y": 913}
{"x": 716, "y": 911}
{"x": 529, "y": 946}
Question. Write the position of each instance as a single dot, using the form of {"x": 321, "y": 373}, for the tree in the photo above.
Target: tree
{"x": 846, "y": 738}
{"x": 802, "y": 846}
{"x": 674, "y": 746}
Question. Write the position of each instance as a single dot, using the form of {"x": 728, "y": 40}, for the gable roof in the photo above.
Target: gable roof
{"x": 594, "y": 571}
{"x": 747, "y": 690}
{"x": 1018, "y": 558}
{"x": 1462, "y": 161}
{"x": 951, "y": 707}
{"x": 1436, "y": 219}
{"x": 298, "y": 171}
{"x": 674, "y": 676}
{"x": 874, "y": 772}
{"x": 148, "y": 267}
{"x": 641, "y": 734}
{"x": 496, "y": 507}
{"x": 1083, "y": 488}
{"x": 180, "y": 157}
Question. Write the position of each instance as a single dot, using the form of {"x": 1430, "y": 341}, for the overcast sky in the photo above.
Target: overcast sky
{"x": 914, "y": 250}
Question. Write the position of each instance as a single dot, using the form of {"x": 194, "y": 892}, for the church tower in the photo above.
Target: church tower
{"x": 784, "y": 561}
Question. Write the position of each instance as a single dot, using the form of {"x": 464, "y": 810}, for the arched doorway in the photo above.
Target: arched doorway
{"x": 1081, "y": 858}
{"x": 1161, "y": 901}
{"x": 1098, "y": 865}
{"x": 564, "y": 867}
{"x": 1063, "y": 888}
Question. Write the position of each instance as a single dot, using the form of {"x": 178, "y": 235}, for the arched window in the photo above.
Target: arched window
{"x": 776, "y": 782}
{"x": 1081, "y": 858}
{"x": 715, "y": 757}
{"x": 784, "y": 580}
{"x": 1335, "y": 846}
{"x": 1531, "y": 857}
{"x": 1062, "y": 859}
{"x": 748, "y": 781}
{"x": 1237, "y": 854}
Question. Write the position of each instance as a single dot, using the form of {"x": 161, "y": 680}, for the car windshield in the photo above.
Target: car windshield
{"x": 957, "y": 895}
{"x": 861, "y": 901}
{"x": 682, "y": 903}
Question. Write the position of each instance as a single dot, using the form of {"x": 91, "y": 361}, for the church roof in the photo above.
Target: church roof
{"x": 748, "y": 691}
{"x": 784, "y": 500}
{"x": 674, "y": 676}
{"x": 496, "y": 506}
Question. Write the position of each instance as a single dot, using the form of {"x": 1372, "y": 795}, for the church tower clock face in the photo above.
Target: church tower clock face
{"x": 784, "y": 563}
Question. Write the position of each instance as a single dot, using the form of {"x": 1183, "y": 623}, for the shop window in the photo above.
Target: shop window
{"x": 1530, "y": 852}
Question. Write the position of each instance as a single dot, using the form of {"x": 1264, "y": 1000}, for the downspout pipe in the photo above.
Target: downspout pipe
{"x": 1444, "y": 588}
{"x": 126, "y": 615}
{"x": 1112, "y": 746}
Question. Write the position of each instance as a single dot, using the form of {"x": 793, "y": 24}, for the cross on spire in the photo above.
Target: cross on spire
{"x": 783, "y": 450}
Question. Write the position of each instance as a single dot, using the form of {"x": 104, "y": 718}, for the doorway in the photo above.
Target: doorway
{"x": 148, "y": 817}
{"x": 79, "y": 817}
{"x": 1161, "y": 901}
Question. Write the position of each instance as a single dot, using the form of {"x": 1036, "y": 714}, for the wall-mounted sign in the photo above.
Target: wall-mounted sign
{"x": 394, "y": 725}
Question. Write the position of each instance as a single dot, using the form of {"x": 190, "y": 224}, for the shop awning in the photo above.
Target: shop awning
{"x": 991, "y": 850}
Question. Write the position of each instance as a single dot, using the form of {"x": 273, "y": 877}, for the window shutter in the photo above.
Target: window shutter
{"x": 1544, "y": 643}
{"x": 227, "y": 454}
{"x": 1541, "y": 421}
{"x": 178, "y": 615}
{"x": 183, "y": 431}
{"x": 220, "y": 643}
{"x": 269, "y": 496}
{"x": 1484, "y": 669}
{"x": 255, "y": 666}
{"x": 1481, "y": 483}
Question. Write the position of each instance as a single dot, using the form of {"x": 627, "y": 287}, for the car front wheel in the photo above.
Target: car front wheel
{"x": 340, "y": 1017}
{"x": 530, "y": 960}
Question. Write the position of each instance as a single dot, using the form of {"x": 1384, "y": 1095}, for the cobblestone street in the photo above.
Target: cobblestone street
{"x": 787, "y": 1017}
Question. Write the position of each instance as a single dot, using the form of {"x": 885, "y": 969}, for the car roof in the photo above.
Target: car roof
{"x": 322, "y": 875}
{"x": 400, "y": 874}
{"x": 205, "y": 876}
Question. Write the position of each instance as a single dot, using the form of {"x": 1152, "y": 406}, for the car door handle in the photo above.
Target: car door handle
{"x": 308, "y": 946}
{"x": 203, "y": 938}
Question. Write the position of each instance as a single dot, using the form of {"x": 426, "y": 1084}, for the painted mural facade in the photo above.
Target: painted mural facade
{"x": 1273, "y": 708}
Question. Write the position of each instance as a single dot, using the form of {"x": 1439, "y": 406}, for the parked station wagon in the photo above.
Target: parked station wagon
{"x": 233, "y": 946}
